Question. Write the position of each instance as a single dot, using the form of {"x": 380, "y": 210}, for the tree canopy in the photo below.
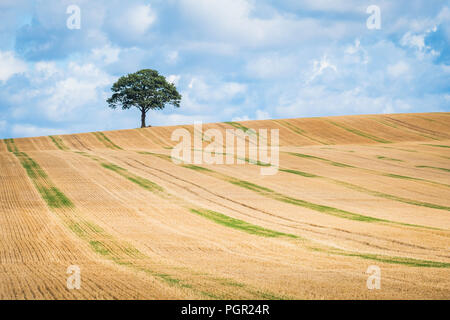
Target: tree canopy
{"x": 145, "y": 90}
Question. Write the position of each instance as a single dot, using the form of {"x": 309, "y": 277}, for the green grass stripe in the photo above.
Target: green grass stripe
{"x": 237, "y": 125}
{"x": 384, "y": 174}
{"x": 368, "y": 191}
{"x": 359, "y": 133}
{"x": 144, "y": 183}
{"x": 391, "y": 197}
{"x": 48, "y": 191}
{"x": 54, "y": 197}
{"x": 33, "y": 170}
{"x": 59, "y": 143}
{"x": 401, "y": 149}
{"x": 159, "y": 155}
{"x": 436, "y": 145}
{"x": 411, "y": 262}
{"x": 299, "y": 173}
{"x": 305, "y": 204}
{"x": 10, "y": 145}
{"x": 436, "y": 168}
{"x": 240, "y": 224}
{"x": 317, "y": 207}
{"x": 244, "y": 226}
{"x": 298, "y": 131}
{"x": 407, "y": 128}
{"x": 106, "y": 141}
{"x": 333, "y": 163}
{"x": 398, "y": 176}
{"x": 389, "y": 159}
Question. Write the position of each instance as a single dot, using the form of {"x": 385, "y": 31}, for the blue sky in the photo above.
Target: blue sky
{"x": 230, "y": 60}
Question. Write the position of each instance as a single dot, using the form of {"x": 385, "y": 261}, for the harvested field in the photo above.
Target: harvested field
{"x": 350, "y": 192}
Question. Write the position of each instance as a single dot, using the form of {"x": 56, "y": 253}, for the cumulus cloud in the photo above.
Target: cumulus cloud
{"x": 319, "y": 66}
{"x": 10, "y": 65}
{"x": 272, "y": 66}
{"x": 27, "y": 130}
{"x": 398, "y": 69}
{"x": 235, "y": 59}
{"x": 140, "y": 18}
{"x": 173, "y": 78}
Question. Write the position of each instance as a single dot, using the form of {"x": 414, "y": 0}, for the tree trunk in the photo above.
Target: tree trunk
{"x": 143, "y": 118}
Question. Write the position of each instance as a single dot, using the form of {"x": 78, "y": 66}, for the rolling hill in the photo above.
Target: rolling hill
{"x": 351, "y": 192}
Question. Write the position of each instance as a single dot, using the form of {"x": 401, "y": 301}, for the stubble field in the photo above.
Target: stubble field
{"x": 351, "y": 192}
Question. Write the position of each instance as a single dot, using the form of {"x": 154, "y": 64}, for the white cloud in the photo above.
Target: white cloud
{"x": 358, "y": 51}
{"x": 271, "y": 66}
{"x": 10, "y": 65}
{"x": 26, "y": 130}
{"x": 262, "y": 115}
{"x": 398, "y": 69}
{"x": 413, "y": 40}
{"x": 242, "y": 118}
{"x": 177, "y": 118}
{"x": 80, "y": 87}
{"x": 139, "y": 19}
{"x": 319, "y": 66}
{"x": 107, "y": 54}
{"x": 45, "y": 70}
{"x": 172, "y": 57}
{"x": 202, "y": 90}
{"x": 58, "y": 92}
{"x": 233, "y": 22}
{"x": 173, "y": 78}
{"x": 319, "y": 100}
{"x": 417, "y": 42}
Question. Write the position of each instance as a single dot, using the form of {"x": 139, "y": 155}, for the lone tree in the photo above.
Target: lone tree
{"x": 145, "y": 90}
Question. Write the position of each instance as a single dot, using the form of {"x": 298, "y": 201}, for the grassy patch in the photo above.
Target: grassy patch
{"x": 113, "y": 167}
{"x": 197, "y": 168}
{"x": 249, "y": 185}
{"x": 59, "y": 143}
{"x": 77, "y": 229}
{"x": 298, "y": 131}
{"x": 390, "y": 159}
{"x": 49, "y": 193}
{"x": 159, "y": 155}
{"x": 322, "y": 208}
{"x": 300, "y": 173}
{"x": 106, "y": 141}
{"x": 391, "y": 197}
{"x": 400, "y": 260}
{"x": 397, "y": 176}
{"x": 10, "y": 145}
{"x": 436, "y": 168}
{"x": 360, "y": 133}
{"x": 328, "y": 210}
{"x": 144, "y": 183}
{"x": 34, "y": 171}
{"x": 54, "y": 197}
{"x": 237, "y": 125}
{"x": 401, "y": 149}
{"x": 239, "y": 224}
{"x": 333, "y": 163}
{"x": 100, "y": 248}
{"x": 436, "y": 145}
